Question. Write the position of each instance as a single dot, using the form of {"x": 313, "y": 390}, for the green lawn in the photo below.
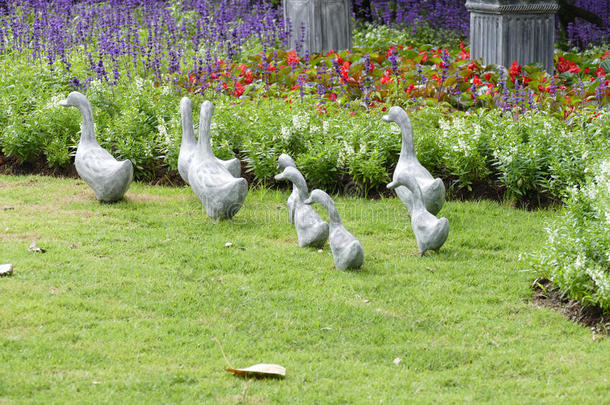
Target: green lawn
{"x": 123, "y": 306}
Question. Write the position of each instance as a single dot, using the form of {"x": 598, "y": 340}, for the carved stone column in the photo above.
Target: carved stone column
{"x": 503, "y": 31}
{"x": 327, "y": 24}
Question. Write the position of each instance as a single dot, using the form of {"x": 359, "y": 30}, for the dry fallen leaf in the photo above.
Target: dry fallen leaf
{"x": 260, "y": 370}
{"x": 35, "y": 249}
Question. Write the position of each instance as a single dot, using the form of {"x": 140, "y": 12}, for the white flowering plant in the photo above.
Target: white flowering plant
{"x": 577, "y": 254}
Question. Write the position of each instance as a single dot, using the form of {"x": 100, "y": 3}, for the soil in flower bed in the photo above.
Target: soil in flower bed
{"x": 547, "y": 295}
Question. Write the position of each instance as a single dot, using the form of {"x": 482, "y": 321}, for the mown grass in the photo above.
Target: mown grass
{"x": 123, "y": 306}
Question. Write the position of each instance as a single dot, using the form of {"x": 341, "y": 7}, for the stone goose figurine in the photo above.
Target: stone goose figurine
{"x": 311, "y": 229}
{"x": 189, "y": 143}
{"x": 433, "y": 190}
{"x": 347, "y": 251}
{"x": 283, "y": 162}
{"x": 220, "y": 192}
{"x": 430, "y": 232}
{"x": 108, "y": 177}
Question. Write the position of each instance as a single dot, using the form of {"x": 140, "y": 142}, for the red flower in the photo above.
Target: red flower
{"x": 437, "y": 78}
{"x": 248, "y": 78}
{"x": 476, "y": 81}
{"x": 239, "y": 89}
{"x": 515, "y": 70}
{"x": 425, "y": 56}
{"x": 488, "y": 76}
{"x": 386, "y": 78}
{"x": 472, "y": 66}
{"x": 606, "y": 55}
{"x": 409, "y": 89}
{"x": 600, "y": 71}
{"x": 464, "y": 54}
{"x": 390, "y": 51}
{"x": 271, "y": 68}
{"x": 293, "y": 59}
{"x": 345, "y": 67}
{"x": 332, "y": 97}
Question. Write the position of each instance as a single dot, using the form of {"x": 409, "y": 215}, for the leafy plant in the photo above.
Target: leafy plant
{"x": 577, "y": 255}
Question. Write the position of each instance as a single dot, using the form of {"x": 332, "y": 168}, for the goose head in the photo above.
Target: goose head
{"x": 317, "y": 196}
{"x": 395, "y": 114}
{"x": 285, "y": 161}
{"x": 74, "y": 99}
{"x": 400, "y": 179}
{"x": 294, "y": 175}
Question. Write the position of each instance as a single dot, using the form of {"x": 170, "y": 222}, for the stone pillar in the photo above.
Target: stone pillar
{"x": 503, "y": 31}
{"x": 327, "y": 23}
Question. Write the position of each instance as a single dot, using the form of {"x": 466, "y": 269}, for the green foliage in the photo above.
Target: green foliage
{"x": 577, "y": 255}
{"x": 378, "y": 36}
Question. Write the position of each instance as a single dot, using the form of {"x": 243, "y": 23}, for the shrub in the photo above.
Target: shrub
{"x": 577, "y": 255}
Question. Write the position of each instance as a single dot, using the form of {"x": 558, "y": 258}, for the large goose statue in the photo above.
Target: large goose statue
{"x": 311, "y": 229}
{"x": 189, "y": 144}
{"x": 108, "y": 177}
{"x": 430, "y": 232}
{"x": 433, "y": 190}
{"x": 220, "y": 192}
{"x": 347, "y": 251}
{"x": 283, "y": 162}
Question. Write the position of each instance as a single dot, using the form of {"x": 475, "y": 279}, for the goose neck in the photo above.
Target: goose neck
{"x": 407, "y": 149}
{"x": 186, "y": 113}
{"x": 333, "y": 214}
{"x": 87, "y": 126}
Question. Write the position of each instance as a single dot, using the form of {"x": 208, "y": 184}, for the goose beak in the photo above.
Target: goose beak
{"x": 308, "y": 201}
{"x": 386, "y": 118}
{"x": 64, "y": 103}
{"x": 392, "y": 185}
{"x": 278, "y": 177}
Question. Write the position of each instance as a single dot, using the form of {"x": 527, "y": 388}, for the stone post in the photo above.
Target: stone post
{"x": 503, "y": 31}
{"x": 327, "y": 24}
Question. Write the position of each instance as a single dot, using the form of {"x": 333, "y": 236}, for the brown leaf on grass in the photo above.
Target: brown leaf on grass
{"x": 260, "y": 370}
{"x": 35, "y": 249}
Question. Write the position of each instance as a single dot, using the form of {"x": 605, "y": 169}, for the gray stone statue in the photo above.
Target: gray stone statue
{"x": 220, "y": 192}
{"x": 189, "y": 144}
{"x": 503, "y": 31}
{"x": 347, "y": 251}
{"x": 432, "y": 190}
{"x": 283, "y": 162}
{"x": 108, "y": 178}
{"x": 430, "y": 232}
{"x": 312, "y": 231}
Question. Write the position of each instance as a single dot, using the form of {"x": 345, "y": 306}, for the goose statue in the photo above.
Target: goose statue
{"x": 189, "y": 144}
{"x": 430, "y": 232}
{"x": 311, "y": 229}
{"x": 220, "y": 192}
{"x": 433, "y": 190}
{"x": 108, "y": 177}
{"x": 283, "y": 162}
{"x": 347, "y": 251}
